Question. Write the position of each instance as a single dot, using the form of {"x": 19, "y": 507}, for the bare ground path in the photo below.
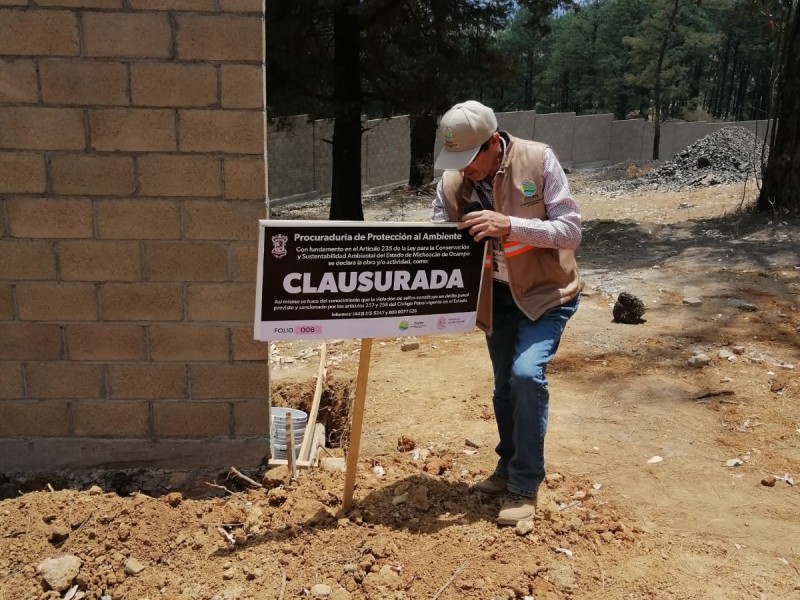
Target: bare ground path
{"x": 614, "y": 522}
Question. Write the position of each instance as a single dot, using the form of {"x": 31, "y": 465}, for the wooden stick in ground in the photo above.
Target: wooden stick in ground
{"x": 449, "y": 581}
{"x": 306, "y": 448}
{"x": 290, "y": 456}
{"x": 251, "y": 482}
{"x": 356, "y": 422}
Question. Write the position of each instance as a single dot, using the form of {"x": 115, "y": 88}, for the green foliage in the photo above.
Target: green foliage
{"x": 659, "y": 59}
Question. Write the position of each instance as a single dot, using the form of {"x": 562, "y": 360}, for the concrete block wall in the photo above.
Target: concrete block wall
{"x": 558, "y": 131}
{"x": 591, "y": 139}
{"x": 132, "y": 178}
{"x": 301, "y": 156}
{"x": 519, "y": 124}
{"x": 387, "y": 154}
{"x": 291, "y": 146}
{"x": 577, "y": 140}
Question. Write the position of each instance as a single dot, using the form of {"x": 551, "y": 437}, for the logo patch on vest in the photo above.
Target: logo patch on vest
{"x": 528, "y": 188}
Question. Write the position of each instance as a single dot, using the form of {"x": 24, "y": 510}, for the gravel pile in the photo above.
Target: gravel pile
{"x": 729, "y": 155}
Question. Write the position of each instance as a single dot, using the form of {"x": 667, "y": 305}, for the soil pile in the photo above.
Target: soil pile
{"x": 729, "y": 155}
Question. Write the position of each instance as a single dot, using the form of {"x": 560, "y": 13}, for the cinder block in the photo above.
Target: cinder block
{"x": 18, "y": 81}
{"x": 190, "y": 5}
{"x": 241, "y": 6}
{"x": 100, "y": 261}
{"x": 83, "y": 82}
{"x": 105, "y": 342}
{"x": 245, "y": 178}
{"x": 251, "y": 419}
{"x": 206, "y": 220}
{"x": 245, "y": 347}
{"x": 104, "y": 418}
{"x": 173, "y": 85}
{"x": 39, "y": 33}
{"x": 147, "y": 381}
{"x": 11, "y": 381}
{"x": 231, "y": 131}
{"x": 81, "y": 3}
{"x": 191, "y": 419}
{"x": 230, "y": 380}
{"x": 22, "y": 172}
{"x": 6, "y": 303}
{"x": 56, "y": 301}
{"x": 132, "y": 129}
{"x": 186, "y": 261}
{"x": 234, "y": 38}
{"x": 50, "y": 218}
{"x": 38, "y": 128}
{"x": 92, "y": 174}
{"x": 138, "y": 219}
{"x": 23, "y": 259}
{"x": 244, "y": 262}
{"x": 242, "y": 86}
{"x": 29, "y": 341}
{"x": 142, "y": 302}
{"x": 175, "y": 175}
{"x": 34, "y": 418}
{"x": 132, "y": 35}
{"x": 53, "y": 380}
{"x": 221, "y": 302}
{"x": 188, "y": 342}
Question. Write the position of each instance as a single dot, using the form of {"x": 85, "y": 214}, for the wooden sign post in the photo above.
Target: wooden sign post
{"x": 356, "y": 420}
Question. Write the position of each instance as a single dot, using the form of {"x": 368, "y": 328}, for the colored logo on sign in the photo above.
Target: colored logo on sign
{"x": 528, "y": 188}
{"x": 403, "y": 325}
{"x": 279, "y": 245}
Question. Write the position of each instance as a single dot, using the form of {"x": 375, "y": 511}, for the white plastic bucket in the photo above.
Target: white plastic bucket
{"x": 298, "y": 416}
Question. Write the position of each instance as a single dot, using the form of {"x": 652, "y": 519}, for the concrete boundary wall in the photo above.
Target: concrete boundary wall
{"x": 592, "y": 139}
{"x": 385, "y": 155}
{"x": 132, "y": 179}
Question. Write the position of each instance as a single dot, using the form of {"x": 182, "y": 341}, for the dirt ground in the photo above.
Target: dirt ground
{"x": 666, "y": 480}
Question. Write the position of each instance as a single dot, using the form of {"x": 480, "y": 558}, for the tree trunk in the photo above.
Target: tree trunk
{"x": 423, "y": 136}
{"x": 719, "y": 92}
{"x": 346, "y": 183}
{"x": 780, "y": 190}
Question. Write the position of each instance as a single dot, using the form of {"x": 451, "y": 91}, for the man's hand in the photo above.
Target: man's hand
{"x": 485, "y": 223}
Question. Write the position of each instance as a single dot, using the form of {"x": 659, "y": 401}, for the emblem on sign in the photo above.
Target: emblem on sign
{"x": 279, "y": 245}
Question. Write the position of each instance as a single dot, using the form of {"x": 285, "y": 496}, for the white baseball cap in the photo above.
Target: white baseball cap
{"x": 464, "y": 129}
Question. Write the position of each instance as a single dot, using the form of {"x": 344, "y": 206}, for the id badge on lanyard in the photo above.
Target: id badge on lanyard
{"x": 499, "y": 266}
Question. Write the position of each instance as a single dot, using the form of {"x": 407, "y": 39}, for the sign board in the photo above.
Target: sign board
{"x": 333, "y": 279}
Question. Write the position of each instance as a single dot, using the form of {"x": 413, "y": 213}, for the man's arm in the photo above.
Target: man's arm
{"x": 439, "y": 214}
{"x": 562, "y": 228}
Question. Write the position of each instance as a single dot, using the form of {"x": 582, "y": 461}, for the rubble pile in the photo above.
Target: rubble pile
{"x": 729, "y": 155}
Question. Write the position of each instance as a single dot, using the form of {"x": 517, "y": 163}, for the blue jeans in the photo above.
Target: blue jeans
{"x": 520, "y": 350}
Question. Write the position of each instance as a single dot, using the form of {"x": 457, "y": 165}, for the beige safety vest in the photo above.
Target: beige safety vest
{"x": 539, "y": 278}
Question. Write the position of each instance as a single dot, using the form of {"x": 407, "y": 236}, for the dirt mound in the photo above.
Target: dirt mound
{"x": 729, "y": 155}
{"x": 414, "y": 525}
